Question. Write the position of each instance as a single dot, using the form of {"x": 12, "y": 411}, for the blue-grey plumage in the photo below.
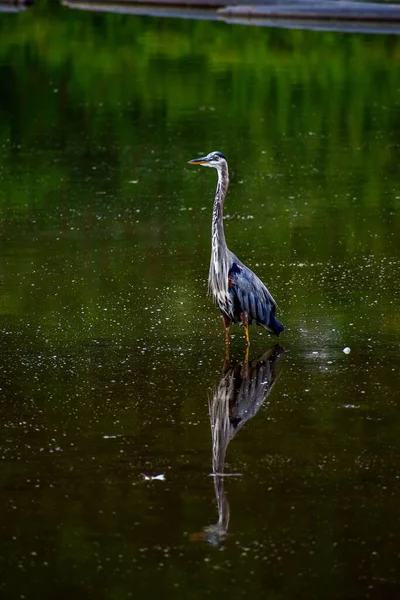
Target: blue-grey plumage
{"x": 250, "y": 294}
{"x": 240, "y": 294}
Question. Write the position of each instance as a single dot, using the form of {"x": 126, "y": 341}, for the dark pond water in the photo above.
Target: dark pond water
{"x": 112, "y": 357}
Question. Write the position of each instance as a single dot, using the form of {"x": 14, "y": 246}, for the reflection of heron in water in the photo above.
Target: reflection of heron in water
{"x": 236, "y": 399}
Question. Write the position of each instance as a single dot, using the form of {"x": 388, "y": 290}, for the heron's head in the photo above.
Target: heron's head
{"x": 214, "y": 159}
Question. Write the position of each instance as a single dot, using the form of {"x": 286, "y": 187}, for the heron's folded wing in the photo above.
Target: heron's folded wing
{"x": 252, "y": 295}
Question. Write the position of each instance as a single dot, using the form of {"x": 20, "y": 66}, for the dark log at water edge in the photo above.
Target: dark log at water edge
{"x": 327, "y": 15}
{"x": 331, "y": 9}
{"x": 293, "y": 9}
{"x": 149, "y": 10}
{"x": 123, "y": 4}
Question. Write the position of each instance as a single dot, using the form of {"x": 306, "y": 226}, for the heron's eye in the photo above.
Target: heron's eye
{"x": 216, "y": 157}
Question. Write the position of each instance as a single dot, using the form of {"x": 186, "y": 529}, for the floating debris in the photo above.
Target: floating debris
{"x": 160, "y": 477}
{"x": 346, "y": 350}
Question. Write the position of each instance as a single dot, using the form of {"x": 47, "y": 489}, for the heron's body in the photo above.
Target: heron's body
{"x": 240, "y": 295}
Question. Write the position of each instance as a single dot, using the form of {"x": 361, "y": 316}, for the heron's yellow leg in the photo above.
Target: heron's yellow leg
{"x": 245, "y": 323}
{"x": 227, "y": 324}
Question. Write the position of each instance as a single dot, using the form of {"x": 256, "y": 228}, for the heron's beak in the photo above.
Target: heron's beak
{"x": 198, "y": 161}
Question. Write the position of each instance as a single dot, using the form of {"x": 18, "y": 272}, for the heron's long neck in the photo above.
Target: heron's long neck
{"x": 217, "y": 229}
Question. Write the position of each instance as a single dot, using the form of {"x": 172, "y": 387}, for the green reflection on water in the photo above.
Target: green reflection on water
{"x": 109, "y": 345}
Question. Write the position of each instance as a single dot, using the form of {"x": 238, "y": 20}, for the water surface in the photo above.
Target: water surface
{"x": 112, "y": 357}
